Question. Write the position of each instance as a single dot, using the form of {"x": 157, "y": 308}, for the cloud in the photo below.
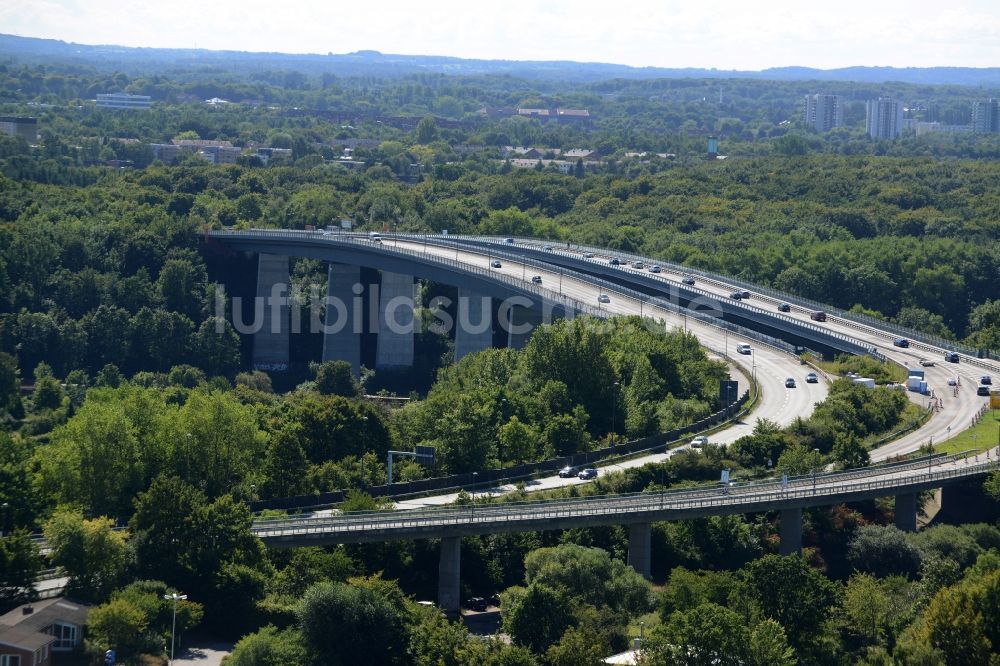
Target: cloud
{"x": 674, "y": 33}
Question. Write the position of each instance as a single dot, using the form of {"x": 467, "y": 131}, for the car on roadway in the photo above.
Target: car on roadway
{"x": 568, "y": 472}
{"x": 494, "y": 599}
{"x": 744, "y": 294}
{"x": 983, "y": 390}
{"x": 537, "y": 279}
{"x": 699, "y": 441}
{"x": 926, "y": 363}
{"x": 951, "y": 357}
{"x": 901, "y": 342}
{"x": 811, "y": 378}
{"x": 588, "y": 255}
{"x": 603, "y": 298}
{"x": 496, "y": 263}
{"x": 377, "y": 240}
{"x": 688, "y": 280}
{"x": 509, "y": 241}
{"x": 744, "y": 349}
{"x": 784, "y": 307}
{"x": 614, "y": 261}
{"x": 736, "y": 295}
{"x": 587, "y": 474}
{"x": 655, "y": 268}
{"x": 790, "y": 382}
{"x": 952, "y": 381}
{"x": 548, "y": 248}
{"x": 638, "y": 265}
{"x": 477, "y": 604}
{"x": 986, "y": 380}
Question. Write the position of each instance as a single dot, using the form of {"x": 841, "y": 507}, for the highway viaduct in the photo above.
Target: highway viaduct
{"x": 466, "y": 265}
{"x": 637, "y": 511}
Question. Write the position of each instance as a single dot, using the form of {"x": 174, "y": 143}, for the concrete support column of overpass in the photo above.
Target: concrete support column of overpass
{"x": 395, "y": 321}
{"x": 474, "y": 325}
{"x": 270, "y": 342}
{"x": 791, "y": 531}
{"x": 449, "y": 576}
{"x": 906, "y": 512}
{"x": 342, "y": 329}
{"x": 521, "y": 323}
{"x": 640, "y": 549}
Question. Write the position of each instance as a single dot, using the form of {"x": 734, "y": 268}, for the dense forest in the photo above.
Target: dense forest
{"x": 122, "y": 405}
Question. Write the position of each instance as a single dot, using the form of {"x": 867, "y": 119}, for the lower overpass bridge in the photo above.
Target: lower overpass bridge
{"x": 449, "y": 524}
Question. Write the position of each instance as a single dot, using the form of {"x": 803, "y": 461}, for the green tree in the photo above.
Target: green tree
{"x": 362, "y": 621}
{"x": 883, "y": 551}
{"x": 589, "y": 575}
{"x": 216, "y": 347}
{"x": 20, "y": 563}
{"x": 705, "y": 635}
{"x": 269, "y": 646}
{"x": 285, "y": 465}
{"x": 90, "y": 551}
{"x": 10, "y": 385}
{"x": 427, "y": 130}
{"x": 536, "y": 616}
{"x": 866, "y": 606}
{"x": 336, "y": 378}
{"x": 120, "y": 625}
{"x": 789, "y": 591}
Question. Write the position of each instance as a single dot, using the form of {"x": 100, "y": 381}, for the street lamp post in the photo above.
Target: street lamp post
{"x": 614, "y": 417}
{"x": 814, "y": 475}
{"x": 474, "y": 476}
{"x": 173, "y": 596}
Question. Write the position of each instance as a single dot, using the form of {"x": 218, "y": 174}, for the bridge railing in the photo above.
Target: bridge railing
{"x": 505, "y": 250}
{"x": 797, "y": 492}
{"x": 540, "y": 292}
{"x": 854, "y": 319}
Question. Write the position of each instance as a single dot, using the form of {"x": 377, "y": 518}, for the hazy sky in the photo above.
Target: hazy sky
{"x": 727, "y": 34}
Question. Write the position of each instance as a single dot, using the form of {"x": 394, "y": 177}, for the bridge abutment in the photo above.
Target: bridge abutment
{"x": 449, "y": 576}
{"x": 270, "y": 342}
{"x": 640, "y": 549}
{"x": 906, "y": 512}
{"x": 474, "y": 326}
{"x": 791, "y": 531}
{"x": 343, "y": 327}
{"x": 395, "y": 321}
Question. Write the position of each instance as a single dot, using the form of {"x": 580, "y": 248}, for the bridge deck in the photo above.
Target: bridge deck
{"x": 823, "y": 489}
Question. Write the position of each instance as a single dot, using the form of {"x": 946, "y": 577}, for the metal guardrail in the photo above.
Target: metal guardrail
{"x": 858, "y": 321}
{"x": 542, "y": 292}
{"x": 801, "y": 491}
{"x": 626, "y": 270}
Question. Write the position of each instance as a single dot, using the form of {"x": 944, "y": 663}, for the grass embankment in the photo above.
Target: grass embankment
{"x": 982, "y": 436}
{"x": 865, "y": 366}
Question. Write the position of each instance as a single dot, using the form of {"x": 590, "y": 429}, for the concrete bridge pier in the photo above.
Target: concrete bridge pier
{"x": 521, "y": 323}
{"x": 474, "y": 325}
{"x": 344, "y": 318}
{"x": 449, "y": 576}
{"x": 395, "y": 321}
{"x": 270, "y": 342}
{"x": 639, "y": 549}
{"x": 906, "y": 512}
{"x": 791, "y": 531}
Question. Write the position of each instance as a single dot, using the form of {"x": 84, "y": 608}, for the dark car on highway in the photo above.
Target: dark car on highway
{"x": 587, "y": 474}
{"x": 784, "y": 307}
{"x": 568, "y": 472}
{"x": 477, "y": 604}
